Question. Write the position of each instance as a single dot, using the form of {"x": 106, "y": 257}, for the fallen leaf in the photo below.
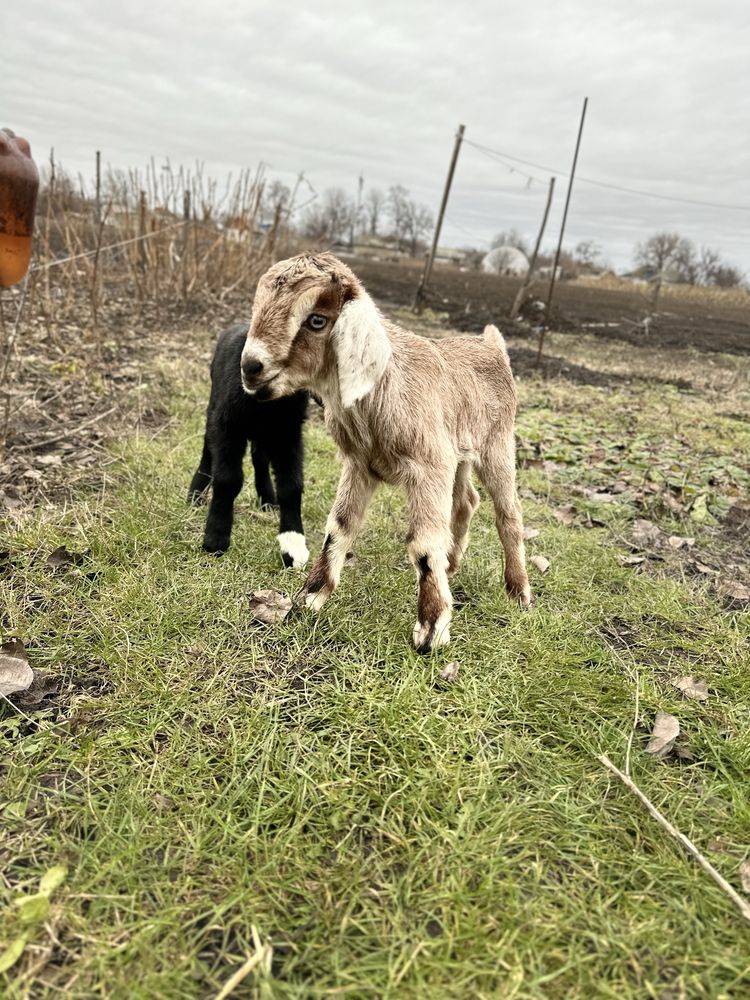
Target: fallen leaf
{"x": 565, "y": 514}
{"x": 15, "y": 672}
{"x": 269, "y": 606}
{"x": 699, "y": 511}
{"x": 691, "y": 688}
{"x": 62, "y": 558}
{"x": 679, "y": 542}
{"x": 13, "y": 952}
{"x": 449, "y": 673}
{"x": 541, "y": 563}
{"x": 529, "y": 533}
{"x": 665, "y": 732}
{"x": 736, "y": 593}
{"x": 646, "y": 534}
{"x": 704, "y": 570}
{"x": 32, "y": 909}
{"x": 43, "y": 686}
{"x": 745, "y": 876}
{"x": 52, "y": 879}
{"x": 632, "y": 560}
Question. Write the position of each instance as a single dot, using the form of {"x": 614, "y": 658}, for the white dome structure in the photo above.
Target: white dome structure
{"x": 506, "y": 260}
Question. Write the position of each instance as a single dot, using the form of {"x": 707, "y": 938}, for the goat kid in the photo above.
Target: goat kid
{"x": 415, "y": 413}
{"x": 274, "y": 430}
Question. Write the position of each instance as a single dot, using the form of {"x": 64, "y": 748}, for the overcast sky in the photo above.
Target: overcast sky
{"x": 378, "y": 88}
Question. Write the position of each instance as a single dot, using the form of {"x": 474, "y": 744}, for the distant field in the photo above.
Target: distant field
{"x": 702, "y": 319}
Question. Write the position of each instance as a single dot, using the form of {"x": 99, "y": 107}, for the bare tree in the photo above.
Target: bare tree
{"x": 374, "y": 204}
{"x": 589, "y": 253}
{"x": 398, "y": 200}
{"x": 727, "y": 276}
{"x": 417, "y": 224}
{"x": 661, "y": 252}
{"x": 511, "y": 238}
{"x": 330, "y": 218}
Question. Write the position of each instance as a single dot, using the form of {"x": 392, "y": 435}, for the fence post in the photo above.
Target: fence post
{"x": 526, "y": 284}
{"x": 545, "y": 320}
{"x": 419, "y": 297}
{"x": 185, "y": 239}
{"x": 142, "y": 232}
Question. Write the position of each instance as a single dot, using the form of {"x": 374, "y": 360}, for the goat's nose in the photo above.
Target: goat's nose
{"x": 252, "y": 367}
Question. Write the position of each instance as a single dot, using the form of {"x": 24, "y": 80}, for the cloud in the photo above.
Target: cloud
{"x": 378, "y": 88}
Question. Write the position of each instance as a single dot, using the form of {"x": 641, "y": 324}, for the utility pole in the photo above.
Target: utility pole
{"x": 419, "y": 297}
{"x": 527, "y": 281}
{"x": 553, "y": 279}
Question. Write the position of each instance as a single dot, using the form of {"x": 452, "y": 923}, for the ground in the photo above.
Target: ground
{"x": 312, "y": 792}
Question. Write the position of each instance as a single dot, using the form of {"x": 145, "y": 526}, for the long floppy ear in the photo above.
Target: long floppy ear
{"x": 362, "y": 348}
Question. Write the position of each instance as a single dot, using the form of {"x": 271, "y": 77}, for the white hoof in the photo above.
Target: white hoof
{"x": 294, "y": 551}
{"x": 316, "y": 601}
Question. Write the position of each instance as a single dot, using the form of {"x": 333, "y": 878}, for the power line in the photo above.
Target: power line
{"x": 604, "y": 184}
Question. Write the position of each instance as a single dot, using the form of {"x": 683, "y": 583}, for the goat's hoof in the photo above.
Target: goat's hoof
{"x": 431, "y": 635}
{"x": 294, "y": 551}
{"x": 316, "y": 601}
{"x": 215, "y": 546}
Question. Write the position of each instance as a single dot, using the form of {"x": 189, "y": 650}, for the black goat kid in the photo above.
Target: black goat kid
{"x": 274, "y": 430}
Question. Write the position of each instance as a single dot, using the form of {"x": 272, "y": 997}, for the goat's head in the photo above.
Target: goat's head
{"x": 313, "y": 326}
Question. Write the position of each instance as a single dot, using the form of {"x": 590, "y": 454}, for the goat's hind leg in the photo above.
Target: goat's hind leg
{"x": 498, "y": 473}
{"x": 465, "y": 503}
{"x": 429, "y": 543}
{"x": 354, "y": 492}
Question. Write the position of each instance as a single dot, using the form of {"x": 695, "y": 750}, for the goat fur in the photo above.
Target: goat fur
{"x": 274, "y": 431}
{"x": 416, "y": 413}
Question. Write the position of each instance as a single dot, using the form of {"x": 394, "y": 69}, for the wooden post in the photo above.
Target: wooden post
{"x": 553, "y": 279}
{"x": 185, "y": 240}
{"x": 419, "y": 297}
{"x": 98, "y": 190}
{"x": 142, "y": 233}
{"x": 526, "y": 284}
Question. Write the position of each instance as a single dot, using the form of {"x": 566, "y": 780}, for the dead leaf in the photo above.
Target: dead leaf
{"x": 62, "y": 558}
{"x": 541, "y": 563}
{"x": 632, "y": 560}
{"x": 665, "y": 732}
{"x": 745, "y": 876}
{"x": 15, "y": 672}
{"x": 736, "y": 593}
{"x": 699, "y": 567}
{"x": 449, "y": 673}
{"x": 529, "y": 533}
{"x": 269, "y": 606}
{"x": 680, "y": 542}
{"x": 565, "y": 514}
{"x": 646, "y": 534}
{"x": 691, "y": 688}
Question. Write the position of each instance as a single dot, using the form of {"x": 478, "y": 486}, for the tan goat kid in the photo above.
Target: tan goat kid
{"x": 408, "y": 411}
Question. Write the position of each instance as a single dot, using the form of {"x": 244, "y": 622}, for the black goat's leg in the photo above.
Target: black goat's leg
{"x": 287, "y": 461}
{"x": 201, "y": 480}
{"x": 263, "y": 485}
{"x": 227, "y": 482}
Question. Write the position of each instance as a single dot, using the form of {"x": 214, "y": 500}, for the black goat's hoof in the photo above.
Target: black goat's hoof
{"x": 215, "y": 547}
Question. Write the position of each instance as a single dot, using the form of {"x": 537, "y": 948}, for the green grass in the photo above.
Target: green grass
{"x": 389, "y": 835}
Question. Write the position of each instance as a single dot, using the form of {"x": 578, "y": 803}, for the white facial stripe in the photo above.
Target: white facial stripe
{"x": 256, "y": 350}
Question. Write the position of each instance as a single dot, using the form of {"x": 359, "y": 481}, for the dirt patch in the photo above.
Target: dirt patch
{"x": 470, "y": 299}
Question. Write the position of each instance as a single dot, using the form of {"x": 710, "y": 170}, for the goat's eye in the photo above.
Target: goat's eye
{"x": 316, "y": 322}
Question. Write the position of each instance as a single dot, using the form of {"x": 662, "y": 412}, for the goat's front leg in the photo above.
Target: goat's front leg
{"x": 429, "y": 544}
{"x": 355, "y": 489}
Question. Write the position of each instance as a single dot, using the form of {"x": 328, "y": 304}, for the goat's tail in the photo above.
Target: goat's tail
{"x": 493, "y": 337}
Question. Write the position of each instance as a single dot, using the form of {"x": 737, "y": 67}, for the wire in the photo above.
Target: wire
{"x": 491, "y": 154}
{"x": 604, "y": 184}
{"x": 109, "y": 246}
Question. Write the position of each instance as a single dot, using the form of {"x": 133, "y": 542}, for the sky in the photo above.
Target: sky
{"x": 378, "y": 89}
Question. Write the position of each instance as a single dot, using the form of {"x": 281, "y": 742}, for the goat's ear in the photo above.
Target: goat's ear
{"x": 362, "y": 348}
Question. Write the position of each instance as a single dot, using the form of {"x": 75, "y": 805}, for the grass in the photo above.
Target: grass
{"x": 203, "y": 778}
